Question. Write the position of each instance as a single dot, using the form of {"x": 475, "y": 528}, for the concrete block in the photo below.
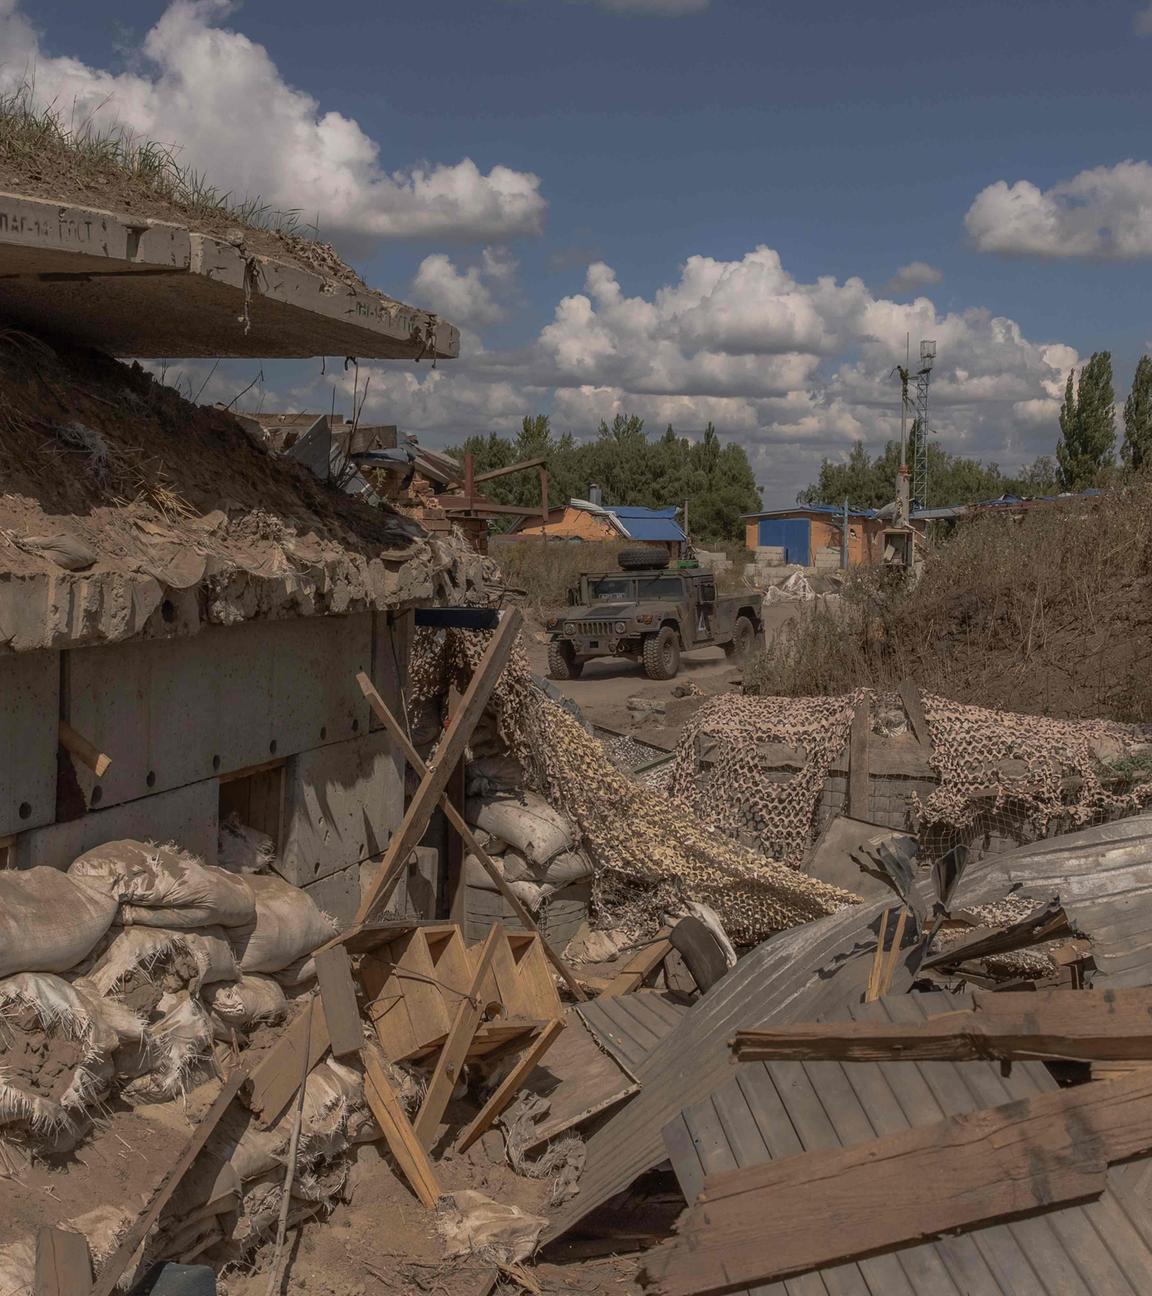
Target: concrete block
{"x": 29, "y": 719}
{"x": 172, "y": 712}
{"x": 159, "y": 290}
{"x": 338, "y": 894}
{"x": 186, "y": 816}
{"x": 342, "y": 803}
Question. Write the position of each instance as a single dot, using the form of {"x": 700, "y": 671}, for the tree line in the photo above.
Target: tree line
{"x": 1085, "y": 451}
{"x": 713, "y": 477}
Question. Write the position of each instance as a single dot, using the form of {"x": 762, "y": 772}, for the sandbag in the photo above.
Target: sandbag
{"x": 142, "y": 963}
{"x": 566, "y": 868}
{"x": 134, "y": 1054}
{"x": 49, "y": 921}
{"x": 162, "y": 886}
{"x": 244, "y": 1003}
{"x": 530, "y": 894}
{"x": 241, "y": 849}
{"x": 182, "y": 1041}
{"x": 527, "y": 823}
{"x": 288, "y": 926}
{"x": 513, "y": 868}
{"x": 57, "y": 1058}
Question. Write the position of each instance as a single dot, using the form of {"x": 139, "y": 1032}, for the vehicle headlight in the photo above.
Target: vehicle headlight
{"x": 620, "y": 627}
{"x": 569, "y": 627}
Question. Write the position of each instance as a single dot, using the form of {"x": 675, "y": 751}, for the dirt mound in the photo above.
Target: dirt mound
{"x": 1049, "y": 614}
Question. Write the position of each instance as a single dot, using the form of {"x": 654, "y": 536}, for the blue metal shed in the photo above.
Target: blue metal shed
{"x": 793, "y": 535}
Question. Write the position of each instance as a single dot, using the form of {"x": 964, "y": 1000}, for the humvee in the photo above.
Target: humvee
{"x": 650, "y": 614}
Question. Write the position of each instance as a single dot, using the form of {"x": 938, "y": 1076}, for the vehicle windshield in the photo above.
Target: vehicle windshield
{"x": 612, "y": 587}
{"x": 659, "y": 587}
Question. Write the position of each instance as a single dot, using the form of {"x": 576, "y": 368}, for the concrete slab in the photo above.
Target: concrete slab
{"x": 342, "y": 803}
{"x": 172, "y": 712}
{"x": 338, "y": 894}
{"x": 144, "y": 288}
{"x": 29, "y": 718}
{"x": 187, "y": 816}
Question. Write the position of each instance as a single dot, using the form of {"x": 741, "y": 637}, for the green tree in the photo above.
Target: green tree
{"x": 1087, "y": 425}
{"x": 1136, "y": 450}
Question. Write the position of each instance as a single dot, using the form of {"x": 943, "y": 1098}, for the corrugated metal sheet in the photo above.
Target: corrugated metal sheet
{"x": 632, "y": 1026}
{"x": 1103, "y": 879}
{"x": 795, "y": 976}
{"x": 773, "y": 1109}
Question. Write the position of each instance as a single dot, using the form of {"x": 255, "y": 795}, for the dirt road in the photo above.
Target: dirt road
{"x": 603, "y": 690}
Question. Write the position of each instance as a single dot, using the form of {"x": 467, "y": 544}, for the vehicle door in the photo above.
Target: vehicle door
{"x": 704, "y": 613}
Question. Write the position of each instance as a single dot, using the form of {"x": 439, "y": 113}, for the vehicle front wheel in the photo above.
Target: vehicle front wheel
{"x": 743, "y": 637}
{"x": 562, "y": 662}
{"x": 662, "y": 654}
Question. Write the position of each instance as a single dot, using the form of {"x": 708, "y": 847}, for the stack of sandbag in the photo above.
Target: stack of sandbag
{"x": 535, "y": 847}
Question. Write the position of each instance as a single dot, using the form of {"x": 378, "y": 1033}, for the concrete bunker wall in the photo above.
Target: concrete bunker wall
{"x": 265, "y": 718}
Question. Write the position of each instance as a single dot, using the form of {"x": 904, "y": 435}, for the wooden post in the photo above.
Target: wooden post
{"x": 458, "y": 822}
{"x": 451, "y": 748}
{"x": 397, "y": 1128}
{"x": 63, "y": 1263}
{"x": 544, "y": 504}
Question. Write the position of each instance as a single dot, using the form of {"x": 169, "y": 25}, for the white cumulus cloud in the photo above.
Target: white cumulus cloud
{"x": 1104, "y": 212}
{"x": 916, "y": 274}
{"x": 220, "y": 100}
{"x": 470, "y": 297}
{"x": 1142, "y": 22}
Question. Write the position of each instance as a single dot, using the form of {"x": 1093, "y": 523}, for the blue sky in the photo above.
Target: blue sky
{"x": 849, "y": 140}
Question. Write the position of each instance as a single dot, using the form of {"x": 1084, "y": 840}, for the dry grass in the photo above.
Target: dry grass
{"x": 546, "y": 569}
{"x": 39, "y": 137}
{"x": 1050, "y": 614}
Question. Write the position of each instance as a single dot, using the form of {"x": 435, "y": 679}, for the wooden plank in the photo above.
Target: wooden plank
{"x": 507, "y": 1088}
{"x": 449, "y": 750}
{"x": 402, "y": 1142}
{"x": 644, "y": 962}
{"x": 512, "y": 468}
{"x": 118, "y": 1261}
{"x": 782, "y": 1218}
{"x": 456, "y": 819}
{"x": 338, "y": 995}
{"x": 277, "y": 1075}
{"x": 452, "y": 1056}
{"x": 914, "y": 706}
{"x": 858, "y": 778}
{"x": 1085, "y": 1025}
{"x": 84, "y": 751}
{"x": 63, "y": 1263}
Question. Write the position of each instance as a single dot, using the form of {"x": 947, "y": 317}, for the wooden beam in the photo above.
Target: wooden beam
{"x": 858, "y": 776}
{"x": 458, "y": 822}
{"x": 469, "y": 1015}
{"x": 390, "y": 1115}
{"x": 84, "y": 751}
{"x": 117, "y": 1262}
{"x": 449, "y": 750}
{"x": 773, "y": 1221}
{"x": 63, "y": 1263}
{"x": 1086, "y": 1025}
{"x": 914, "y": 707}
{"x": 508, "y": 1087}
{"x": 338, "y": 995}
{"x": 277, "y": 1074}
{"x": 458, "y": 504}
{"x": 523, "y": 466}
{"x": 644, "y": 962}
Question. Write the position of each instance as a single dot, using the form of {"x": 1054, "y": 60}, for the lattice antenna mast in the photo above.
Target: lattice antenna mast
{"x": 922, "y": 426}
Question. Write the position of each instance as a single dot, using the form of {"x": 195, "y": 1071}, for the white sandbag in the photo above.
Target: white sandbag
{"x": 470, "y": 1222}
{"x": 564, "y": 869}
{"x": 241, "y": 849}
{"x": 57, "y": 1056}
{"x": 297, "y": 974}
{"x": 49, "y": 921}
{"x": 162, "y": 886}
{"x": 288, "y": 926}
{"x": 141, "y": 963}
{"x": 134, "y": 1054}
{"x": 103, "y": 1228}
{"x": 512, "y": 866}
{"x": 182, "y": 1040}
{"x": 527, "y": 823}
{"x": 245, "y": 1003}
{"x": 530, "y": 894}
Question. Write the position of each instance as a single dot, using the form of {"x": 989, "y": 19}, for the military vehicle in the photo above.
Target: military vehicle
{"x": 649, "y": 613}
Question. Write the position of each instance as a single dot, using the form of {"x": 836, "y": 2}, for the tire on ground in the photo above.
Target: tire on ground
{"x": 743, "y": 637}
{"x": 662, "y": 654}
{"x": 562, "y": 663}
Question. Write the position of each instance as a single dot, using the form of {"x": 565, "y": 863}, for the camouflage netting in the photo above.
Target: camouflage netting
{"x": 650, "y": 851}
{"x": 1050, "y": 770}
{"x": 734, "y": 791}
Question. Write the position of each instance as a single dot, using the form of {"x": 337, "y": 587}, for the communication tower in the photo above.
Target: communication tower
{"x": 921, "y": 427}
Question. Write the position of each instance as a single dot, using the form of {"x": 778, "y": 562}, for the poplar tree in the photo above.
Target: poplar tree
{"x": 1087, "y": 425}
{"x": 1136, "y": 450}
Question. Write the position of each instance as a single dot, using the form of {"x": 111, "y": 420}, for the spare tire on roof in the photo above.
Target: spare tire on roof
{"x": 638, "y": 559}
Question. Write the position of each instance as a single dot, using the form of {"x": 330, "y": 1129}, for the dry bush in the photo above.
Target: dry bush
{"x": 1049, "y": 613}
{"x": 545, "y": 569}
